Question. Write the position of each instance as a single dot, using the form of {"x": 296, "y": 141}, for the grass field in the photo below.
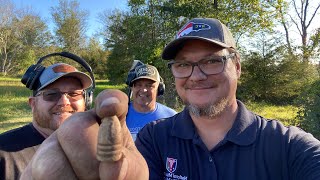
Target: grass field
{"x": 15, "y": 112}
{"x": 285, "y": 114}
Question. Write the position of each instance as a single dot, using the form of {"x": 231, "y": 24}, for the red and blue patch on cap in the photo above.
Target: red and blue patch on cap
{"x": 192, "y": 27}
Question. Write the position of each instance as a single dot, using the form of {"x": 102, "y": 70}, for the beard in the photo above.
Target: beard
{"x": 45, "y": 119}
{"x": 210, "y": 110}
{"x": 42, "y": 118}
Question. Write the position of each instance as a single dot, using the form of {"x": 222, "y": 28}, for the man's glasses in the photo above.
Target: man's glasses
{"x": 55, "y": 95}
{"x": 208, "y": 66}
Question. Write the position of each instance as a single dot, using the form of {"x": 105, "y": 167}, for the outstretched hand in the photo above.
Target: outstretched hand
{"x": 91, "y": 145}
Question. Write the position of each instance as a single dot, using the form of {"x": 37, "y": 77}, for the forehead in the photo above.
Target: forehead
{"x": 66, "y": 83}
{"x": 198, "y": 48}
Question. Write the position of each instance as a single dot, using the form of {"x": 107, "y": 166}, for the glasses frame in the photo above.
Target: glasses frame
{"x": 193, "y": 64}
{"x": 67, "y": 94}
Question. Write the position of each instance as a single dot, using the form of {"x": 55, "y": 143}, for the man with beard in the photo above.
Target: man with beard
{"x": 61, "y": 93}
{"x": 145, "y": 86}
{"x": 215, "y": 136}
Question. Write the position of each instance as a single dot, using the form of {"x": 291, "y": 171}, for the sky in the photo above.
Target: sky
{"x": 93, "y": 6}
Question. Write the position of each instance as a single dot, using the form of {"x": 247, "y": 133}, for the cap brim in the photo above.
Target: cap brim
{"x": 144, "y": 77}
{"x": 171, "y": 49}
{"x": 86, "y": 80}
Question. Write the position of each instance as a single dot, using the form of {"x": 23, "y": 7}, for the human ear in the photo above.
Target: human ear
{"x": 32, "y": 102}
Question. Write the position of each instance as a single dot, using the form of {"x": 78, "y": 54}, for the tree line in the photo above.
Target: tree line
{"x": 275, "y": 67}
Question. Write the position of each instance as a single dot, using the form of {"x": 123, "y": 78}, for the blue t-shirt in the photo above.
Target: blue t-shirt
{"x": 136, "y": 120}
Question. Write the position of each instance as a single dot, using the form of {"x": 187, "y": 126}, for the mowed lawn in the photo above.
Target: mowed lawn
{"x": 15, "y": 111}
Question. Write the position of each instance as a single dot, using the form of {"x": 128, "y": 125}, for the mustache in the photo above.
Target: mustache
{"x": 194, "y": 85}
{"x": 62, "y": 109}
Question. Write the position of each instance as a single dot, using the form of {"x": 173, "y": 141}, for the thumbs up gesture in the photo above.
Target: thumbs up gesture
{"x": 95, "y": 144}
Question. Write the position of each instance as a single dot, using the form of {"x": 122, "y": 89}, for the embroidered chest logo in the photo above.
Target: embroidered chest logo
{"x": 171, "y": 164}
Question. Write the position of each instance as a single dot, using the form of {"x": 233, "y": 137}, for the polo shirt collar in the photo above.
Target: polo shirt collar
{"x": 243, "y": 131}
{"x": 183, "y": 126}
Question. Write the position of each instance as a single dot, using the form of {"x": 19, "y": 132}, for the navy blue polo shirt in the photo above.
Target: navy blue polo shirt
{"x": 254, "y": 148}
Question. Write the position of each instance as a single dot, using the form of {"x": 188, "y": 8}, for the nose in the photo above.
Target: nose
{"x": 197, "y": 74}
{"x": 144, "y": 89}
{"x": 64, "y": 100}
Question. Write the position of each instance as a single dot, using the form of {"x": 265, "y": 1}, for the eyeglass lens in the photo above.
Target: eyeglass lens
{"x": 209, "y": 66}
{"x": 54, "y": 95}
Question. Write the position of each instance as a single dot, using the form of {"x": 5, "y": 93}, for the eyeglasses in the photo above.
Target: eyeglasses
{"x": 55, "y": 95}
{"x": 208, "y": 66}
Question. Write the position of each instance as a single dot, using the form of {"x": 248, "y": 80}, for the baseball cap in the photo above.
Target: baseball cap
{"x": 59, "y": 70}
{"x": 146, "y": 71}
{"x": 206, "y": 29}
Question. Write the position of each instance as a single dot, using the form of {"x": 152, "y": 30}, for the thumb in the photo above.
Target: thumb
{"x": 112, "y": 103}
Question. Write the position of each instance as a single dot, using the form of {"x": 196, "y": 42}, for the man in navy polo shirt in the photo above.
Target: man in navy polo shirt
{"x": 215, "y": 136}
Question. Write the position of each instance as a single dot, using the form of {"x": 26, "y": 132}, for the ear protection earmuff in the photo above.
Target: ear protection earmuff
{"x": 31, "y": 76}
{"x": 161, "y": 87}
{"x": 131, "y": 76}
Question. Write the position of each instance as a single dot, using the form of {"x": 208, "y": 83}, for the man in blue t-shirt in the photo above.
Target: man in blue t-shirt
{"x": 145, "y": 85}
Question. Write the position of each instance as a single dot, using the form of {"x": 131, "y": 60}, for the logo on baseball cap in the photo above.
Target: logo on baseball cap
{"x": 192, "y": 27}
{"x": 206, "y": 29}
{"x": 146, "y": 71}
{"x": 59, "y": 70}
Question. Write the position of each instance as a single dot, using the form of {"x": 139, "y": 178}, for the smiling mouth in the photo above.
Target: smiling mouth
{"x": 199, "y": 88}
{"x": 59, "y": 113}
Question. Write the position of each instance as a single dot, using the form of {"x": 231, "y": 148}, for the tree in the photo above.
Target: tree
{"x": 271, "y": 74}
{"x": 301, "y": 18}
{"x": 116, "y": 42}
{"x": 71, "y": 23}
{"x": 259, "y": 70}
{"x": 309, "y": 114}
{"x": 21, "y": 32}
{"x": 7, "y": 41}
{"x": 33, "y": 32}
{"x": 96, "y": 57}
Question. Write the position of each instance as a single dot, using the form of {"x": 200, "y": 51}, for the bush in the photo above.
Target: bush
{"x": 273, "y": 79}
{"x": 309, "y": 113}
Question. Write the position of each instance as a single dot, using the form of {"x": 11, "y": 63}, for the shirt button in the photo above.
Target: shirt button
{"x": 210, "y": 159}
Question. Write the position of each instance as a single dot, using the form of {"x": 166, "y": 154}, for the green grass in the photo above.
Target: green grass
{"x": 285, "y": 114}
{"x": 105, "y": 84}
{"x": 15, "y": 111}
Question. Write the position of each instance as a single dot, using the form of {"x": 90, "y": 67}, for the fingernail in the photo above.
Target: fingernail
{"x": 108, "y": 101}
